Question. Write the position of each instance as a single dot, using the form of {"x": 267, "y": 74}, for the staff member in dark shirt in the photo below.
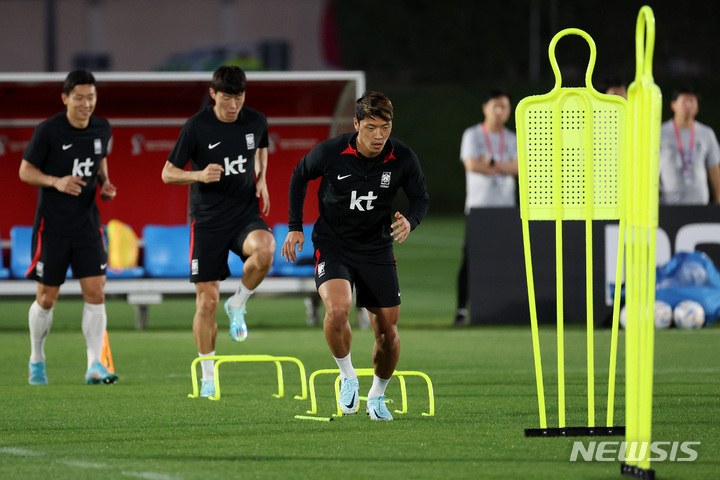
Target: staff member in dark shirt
{"x": 353, "y": 237}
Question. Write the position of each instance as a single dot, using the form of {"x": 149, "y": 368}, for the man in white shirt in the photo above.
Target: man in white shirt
{"x": 689, "y": 155}
{"x": 489, "y": 154}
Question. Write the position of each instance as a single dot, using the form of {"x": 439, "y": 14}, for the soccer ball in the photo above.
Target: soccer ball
{"x": 689, "y": 314}
{"x": 663, "y": 314}
{"x": 623, "y": 317}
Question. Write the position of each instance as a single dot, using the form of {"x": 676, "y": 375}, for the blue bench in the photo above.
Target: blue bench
{"x": 166, "y": 252}
{"x": 4, "y": 272}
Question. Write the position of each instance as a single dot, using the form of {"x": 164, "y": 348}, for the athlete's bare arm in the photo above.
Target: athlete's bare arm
{"x": 70, "y": 184}
{"x": 400, "y": 228}
{"x": 288, "y": 247}
{"x": 107, "y": 189}
{"x": 261, "y": 190}
{"x": 177, "y": 176}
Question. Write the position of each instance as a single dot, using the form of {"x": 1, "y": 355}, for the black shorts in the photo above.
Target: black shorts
{"x": 375, "y": 279}
{"x": 53, "y": 253}
{"x": 209, "y": 248}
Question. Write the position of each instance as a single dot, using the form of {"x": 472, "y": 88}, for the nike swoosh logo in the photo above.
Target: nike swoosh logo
{"x": 103, "y": 266}
{"x": 65, "y": 147}
{"x": 213, "y": 145}
{"x": 343, "y": 177}
{"x": 352, "y": 402}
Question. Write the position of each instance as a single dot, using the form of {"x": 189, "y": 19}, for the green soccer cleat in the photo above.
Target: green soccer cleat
{"x": 99, "y": 374}
{"x": 349, "y": 400}
{"x": 238, "y": 329}
{"x": 208, "y": 388}
{"x": 377, "y": 410}
{"x": 36, "y": 374}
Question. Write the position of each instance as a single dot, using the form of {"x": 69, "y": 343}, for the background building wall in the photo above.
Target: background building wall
{"x": 434, "y": 61}
{"x": 142, "y": 34}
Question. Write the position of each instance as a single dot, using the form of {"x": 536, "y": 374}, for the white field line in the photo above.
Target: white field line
{"x": 149, "y": 475}
{"x": 21, "y": 452}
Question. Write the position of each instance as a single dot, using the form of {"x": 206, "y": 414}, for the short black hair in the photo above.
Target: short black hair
{"x": 229, "y": 79}
{"x": 375, "y": 105}
{"x": 496, "y": 93}
{"x": 611, "y": 81}
{"x": 75, "y": 78}
{"x": 684, "y": 90}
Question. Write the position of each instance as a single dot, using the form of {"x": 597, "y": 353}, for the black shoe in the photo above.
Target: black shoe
{"x": 460, "y": 319}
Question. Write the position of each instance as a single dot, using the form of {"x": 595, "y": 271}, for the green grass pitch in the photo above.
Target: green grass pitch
{"x": 483, "y": 378}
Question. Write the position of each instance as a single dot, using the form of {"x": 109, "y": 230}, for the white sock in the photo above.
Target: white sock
{"x": 208, "y": 367}
{"x": 378, "y": 387}
{"x": 346, "y": 367}
{"x": 94, "y": 323}
{"x": 39, "y": 320}
{"x": 241, "y": 296}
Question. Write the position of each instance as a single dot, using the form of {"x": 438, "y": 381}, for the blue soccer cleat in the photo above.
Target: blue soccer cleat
{"x": 99, "y": 374}
{"x": 208, "y": 388}
{"x": 349, "y": 400}
{"x": 36, "y": 374}
{"x": 377, "y": 410}
{"x": 238, "y": 329}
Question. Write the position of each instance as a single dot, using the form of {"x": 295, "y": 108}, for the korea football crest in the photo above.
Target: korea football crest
{"x": 250, "y": 140}
{"x": 97, "y": 145}
{"x": 385, "y": 180}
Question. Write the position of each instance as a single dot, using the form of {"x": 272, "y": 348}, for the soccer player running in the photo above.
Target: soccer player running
{"x": 67, "y": 159}
{"x": 226, "y": 145}
{"x": 353, "y": 238}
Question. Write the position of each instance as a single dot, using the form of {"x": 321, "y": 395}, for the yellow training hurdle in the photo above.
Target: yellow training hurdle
{"x": 220, "y": 359}
{"x": 369, "y": 372}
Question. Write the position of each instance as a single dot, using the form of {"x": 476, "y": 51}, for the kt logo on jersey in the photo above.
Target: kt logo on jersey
{"x": 82, "y": 169}
{"x": 236, "y": 166}
{"x": 363, "y": 202}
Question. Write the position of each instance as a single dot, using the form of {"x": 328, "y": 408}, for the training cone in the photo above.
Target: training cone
{"x": 106, "y": 354}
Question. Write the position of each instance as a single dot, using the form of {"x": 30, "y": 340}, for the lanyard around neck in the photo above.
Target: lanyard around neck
{"x": 488, "y": 145}
{"x": 686, "y": 159}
